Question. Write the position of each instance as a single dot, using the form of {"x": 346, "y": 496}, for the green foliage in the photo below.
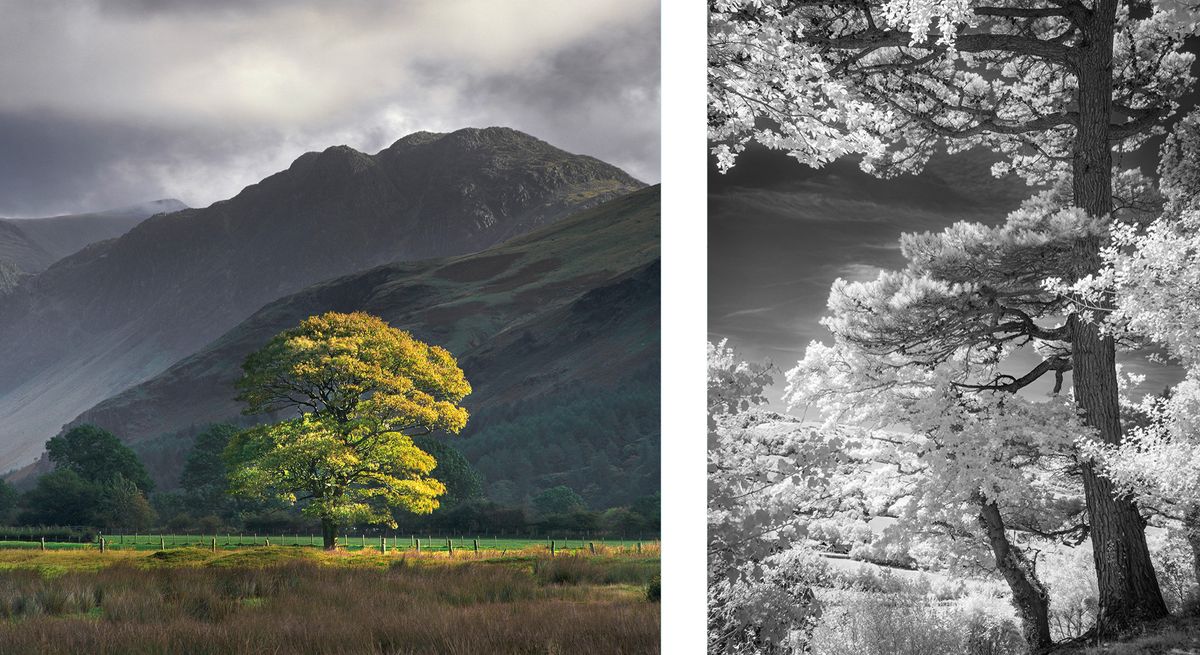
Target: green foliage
{"x": 205, "y": 475}
{"x": 122, "y": 505}
{"x": 557, "y": 500}
{"x": 61, "y": 497}
{"x": 622, "y": 520}
{"x": 603, "y": 442}
{"x": 98, "y": 456}
{"x": 654, "y": 590}
{"x": 361, "y": 388}
{"x": 650, "y": 509}
{"x": 8, "y": 502}
{"x": 463, "y": 482}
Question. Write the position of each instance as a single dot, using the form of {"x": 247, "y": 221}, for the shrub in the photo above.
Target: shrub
{"x": 654, "y": 590}
{"x": 911, "y": 624}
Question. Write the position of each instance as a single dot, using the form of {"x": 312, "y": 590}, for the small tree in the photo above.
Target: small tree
{"x": 557, "y": 500}
{"x": 205, "y": 476}
{"x": 60, "y": 497}
{"x": 362, "y": 389}
{"x": 122, "y": 505}
{"x": 98, "y": 456}
{"x": 463, "y": 482}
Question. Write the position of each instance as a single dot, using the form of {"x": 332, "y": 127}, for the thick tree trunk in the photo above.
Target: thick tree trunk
{"x": 1129, "y": 592}
{"x": 329, "y": 534}
{"x": 1030, "y": 596}
{"x": 1191, "y": 530}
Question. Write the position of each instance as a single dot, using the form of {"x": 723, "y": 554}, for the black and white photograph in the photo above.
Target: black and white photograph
{"x": 953, "y": 327}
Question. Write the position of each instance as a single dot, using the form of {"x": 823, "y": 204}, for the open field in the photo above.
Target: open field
{"x": 301, "y": 600}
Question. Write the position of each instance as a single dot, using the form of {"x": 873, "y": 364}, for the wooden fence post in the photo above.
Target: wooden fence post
{"x": 476, "y": 543}
{"x": 418, "y": 544}
{"x": 43, "y": 543}
{"x": 450, "y": 546}
{"x": 592, "y": 546}
{"x": 382, "y": 545}
{"x": 102, "y": 544}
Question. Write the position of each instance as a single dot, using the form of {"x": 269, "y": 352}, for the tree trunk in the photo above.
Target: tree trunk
{"x": 1030, "y": 596}
{"x": 1191, "y": 530}
{"x": 329, "y": 534}
{"x": 1129, "y": 592}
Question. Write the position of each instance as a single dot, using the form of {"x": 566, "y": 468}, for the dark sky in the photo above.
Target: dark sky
{"x": 106, "y": 103}
{"x": 780, "y": 233}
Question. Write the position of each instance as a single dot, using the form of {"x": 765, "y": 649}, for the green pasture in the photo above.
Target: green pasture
{"x": 431, "y": 543}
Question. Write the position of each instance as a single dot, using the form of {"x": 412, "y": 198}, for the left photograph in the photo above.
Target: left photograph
{"x": 330, "y": 328}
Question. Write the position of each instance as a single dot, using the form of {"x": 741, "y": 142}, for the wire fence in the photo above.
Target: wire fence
{"x": 75, "y": 537}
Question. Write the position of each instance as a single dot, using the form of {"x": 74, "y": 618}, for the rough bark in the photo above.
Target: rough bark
{"x": 329, "y": 534}
{"x": 1030, "y": 597}
{"x": 1129, "y": 591}
{"x": 1191, "y": 529}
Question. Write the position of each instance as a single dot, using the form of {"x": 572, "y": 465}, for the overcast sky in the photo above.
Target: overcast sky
{"x": 109, "y": 103}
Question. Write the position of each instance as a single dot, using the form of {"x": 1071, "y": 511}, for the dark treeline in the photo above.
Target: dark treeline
{"x": 100, "y": 484}
{"x": 601, "y": 442}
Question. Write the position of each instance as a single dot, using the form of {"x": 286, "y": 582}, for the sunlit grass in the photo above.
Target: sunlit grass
{"x": 299, "y": 600}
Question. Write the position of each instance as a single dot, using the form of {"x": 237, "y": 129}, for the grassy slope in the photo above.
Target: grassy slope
{"x": 573, "y": 306}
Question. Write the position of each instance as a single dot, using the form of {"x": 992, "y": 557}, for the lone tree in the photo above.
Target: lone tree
{"x": 361, "y": 390}
{"x": 1055, "y": 86}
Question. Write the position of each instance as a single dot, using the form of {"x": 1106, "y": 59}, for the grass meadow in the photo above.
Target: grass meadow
{"x": 282, "y": 599}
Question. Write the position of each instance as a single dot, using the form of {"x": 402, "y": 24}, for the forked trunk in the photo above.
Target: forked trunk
{"x": 1129, "y": 591}
{"x": 329, "y": 534}
{"x": 1030, "y": 596}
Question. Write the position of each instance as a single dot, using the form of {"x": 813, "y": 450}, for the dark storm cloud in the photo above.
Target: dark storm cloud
{"x": 114, "y": 102}
{"x": 572, "y": 100}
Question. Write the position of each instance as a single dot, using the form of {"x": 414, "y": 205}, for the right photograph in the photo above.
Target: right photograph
{"x": 954, "y": 327}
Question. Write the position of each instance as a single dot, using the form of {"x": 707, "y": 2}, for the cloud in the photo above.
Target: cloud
{"x": 141, "y": 98}
{"x": 859, "y": 272}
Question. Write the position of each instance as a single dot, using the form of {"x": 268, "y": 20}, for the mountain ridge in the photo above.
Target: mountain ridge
{"x": 119, "y": 312}
{"x": 31, "y": 245}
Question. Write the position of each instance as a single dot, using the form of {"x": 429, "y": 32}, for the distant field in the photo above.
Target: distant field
{"x": 303, "y": 600}
{"x": 354, "y": 542}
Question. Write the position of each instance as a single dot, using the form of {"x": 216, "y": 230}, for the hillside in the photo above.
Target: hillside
{"x": 120, "y": 312}
{"x": 31, "y": 245}
{"x": 558, "y": 332}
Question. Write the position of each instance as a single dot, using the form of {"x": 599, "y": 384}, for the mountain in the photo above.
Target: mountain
{"x": 121, "y": 311}
{"x": 557, "y": 331}
{"x": 10, "y": 277}
{"x": 31, "y": 245}
{"x": 19, "y": 253}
